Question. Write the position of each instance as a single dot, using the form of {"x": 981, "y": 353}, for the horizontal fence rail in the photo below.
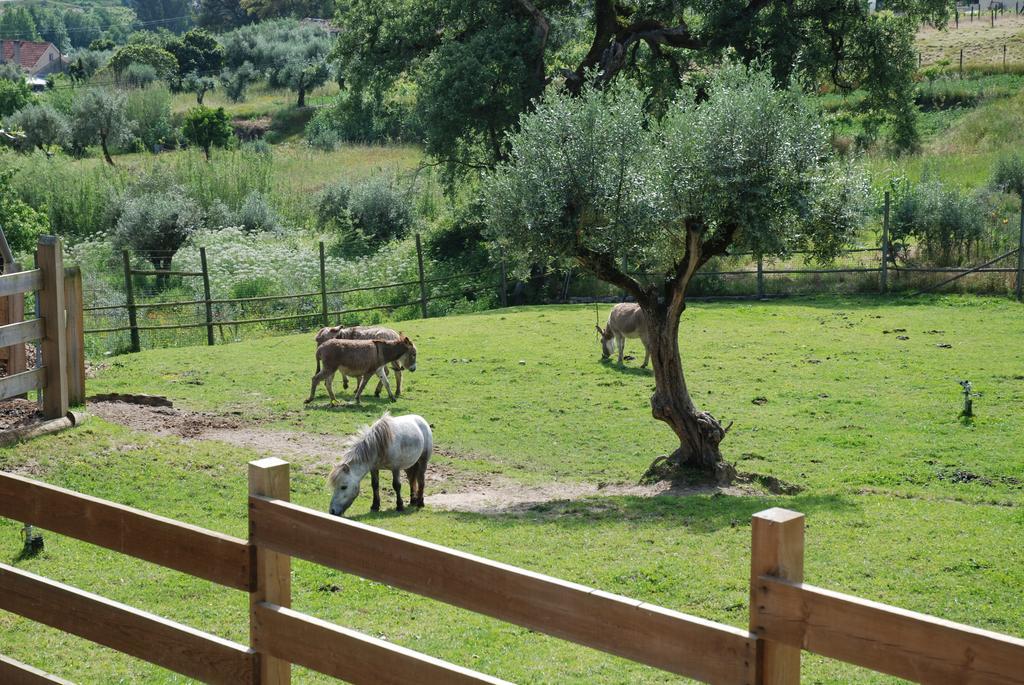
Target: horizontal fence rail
{"x": 154, "y": 639}
{"x": 23, "y": 382}
{"x": 21, "y": 282}
{"x": 349, "y": 655}
{"x": 202, "y": 553}
{"x": 675, "y": 642}
{"x": 13, "y": 672}
{"x": 883, "y": 638}
{"x": 21, "y": 332}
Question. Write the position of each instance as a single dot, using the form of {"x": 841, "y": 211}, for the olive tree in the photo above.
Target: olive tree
{"x": 43, "y": 125}
{"x": 593, "y": 179}
{"x": 101, "y": 116}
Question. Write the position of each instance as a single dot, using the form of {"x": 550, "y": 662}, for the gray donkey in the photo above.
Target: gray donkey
{"x": 626, "y": 320}
{"x": 368, "y": 333}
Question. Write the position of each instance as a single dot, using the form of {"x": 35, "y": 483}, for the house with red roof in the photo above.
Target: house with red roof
{"x": 38, "y": 59}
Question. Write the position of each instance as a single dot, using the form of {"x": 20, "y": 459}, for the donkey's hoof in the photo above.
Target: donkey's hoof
{"x": 308, "y": 401}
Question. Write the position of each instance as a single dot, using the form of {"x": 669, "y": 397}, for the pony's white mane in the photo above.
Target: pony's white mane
{"x": 363, "y": 448}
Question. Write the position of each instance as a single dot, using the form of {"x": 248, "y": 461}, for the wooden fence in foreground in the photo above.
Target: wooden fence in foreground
{"x": 59, "y": 326}
{"x": 786, "y": 615}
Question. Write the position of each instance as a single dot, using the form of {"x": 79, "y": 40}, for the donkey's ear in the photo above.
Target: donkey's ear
{"x": 598, "y": 329}
{"x": 345, "y": 468}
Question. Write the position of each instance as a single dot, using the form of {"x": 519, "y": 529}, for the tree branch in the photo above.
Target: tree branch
{"x": 541, "y": 30}
{"x": 603, "y": 266}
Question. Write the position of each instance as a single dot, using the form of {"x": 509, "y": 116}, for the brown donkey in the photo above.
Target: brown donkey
{"x": 361, "y": 359}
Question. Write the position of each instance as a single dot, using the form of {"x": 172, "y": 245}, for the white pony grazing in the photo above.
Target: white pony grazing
{"x": 395, "y": 443}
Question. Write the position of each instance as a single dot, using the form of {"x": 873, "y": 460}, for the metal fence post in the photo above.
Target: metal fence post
{"x": 206, "y": 296}
{"x": 777, "y": 549}
{"x": 760, "y": 277}
{"x": 423, "y": 284}
{"x": 323, "y": 286}
{"x": 1020, "y": 255}
{"x": 885, "y": 245}
{"x": 75, "y": 335}
{"x": 129, "y": 292}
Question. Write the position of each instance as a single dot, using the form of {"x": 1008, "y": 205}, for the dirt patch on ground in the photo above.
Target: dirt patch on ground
{"x": 19, "y": 413}
{"x": 449, "y": 489}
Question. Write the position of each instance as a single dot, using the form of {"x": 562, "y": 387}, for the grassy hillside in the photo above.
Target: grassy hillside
{"x": 905, "y": 503}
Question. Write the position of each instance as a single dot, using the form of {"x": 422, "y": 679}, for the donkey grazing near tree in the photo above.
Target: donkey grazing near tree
{"x": 626, "y": 320}
{"x": 392, "y": 442}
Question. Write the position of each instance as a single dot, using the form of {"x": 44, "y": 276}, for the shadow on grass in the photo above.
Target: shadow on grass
{"x": 613, "y": 365}
{"x": 696, "y": 513}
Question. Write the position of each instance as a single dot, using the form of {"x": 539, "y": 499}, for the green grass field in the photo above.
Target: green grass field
{"x": 905, "y": 503}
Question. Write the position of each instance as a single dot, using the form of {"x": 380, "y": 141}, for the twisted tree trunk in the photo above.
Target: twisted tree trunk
{"x": 699, "y": 432}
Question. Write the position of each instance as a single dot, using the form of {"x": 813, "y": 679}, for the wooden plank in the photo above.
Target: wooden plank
{"x": 352, "y": 656}
{"x": 777, "y": 548}
{"x": 21, "y": 332}
{"x": 21, "y": 383}
{"x": 273, "y": 571}
{"x": 21, "y": 282}
{"x": 50, "y": 258}
{"x": 666, "y": 639}
{"x": 75, "y": 336}
{"x": 140, "y": 634}
{"x": 189, "y": 549}
{"x": 13, "y": 672}
{"x": 902, "y": 643}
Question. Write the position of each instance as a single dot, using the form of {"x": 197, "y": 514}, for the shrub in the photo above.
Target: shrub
{"x": 43, "y": 126}
{"x": 150, "y": 109}
{"x": 9, "y": 71}
{"x": 139, "y": 75}
{"x": 943, "y": 220}
{"x": 206, "y": 128}
{"x": 14, "y": 95}
{"x": 256, "y": 214}
{"x": 380, "y": 212}
{"x": 332, "y": 206}
{"x": 22, "y": 225}
{"x": 1008, "y": 175}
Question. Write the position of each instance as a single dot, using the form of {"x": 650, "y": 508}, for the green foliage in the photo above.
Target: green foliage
{"x": 156, "y": 221}
{"x": 222, "y": 15}
{"x": 171, "y": 15}
{"x": 21, "y": 224}
{"x": 380, "y": 211}
{"x": 86, "y": 63}
{"x": 102, "y": 45}
{"x": 590, "y": 178}
{"x": 197, "y": 52}
{"x": 332, "y": 207}
{"x": 207, "y": 128}
{"x": 943, "y": 221}
{"x": 150, "y": 109}
{"x": 163, "y": 63}
{"x": 9, "y": 71}
{"x": 287, "y": 53}
{"x": 353, "y": 118}
{"x": 14, "y": 95}
{"x": 43, "y": 126}
{"x": 17, "y": 23}
{"x": 256, "y": 215}
{"x": 1008, "y": 175}
{"x": 100, "y": 115}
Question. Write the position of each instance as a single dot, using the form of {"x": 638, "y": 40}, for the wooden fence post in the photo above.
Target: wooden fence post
{"x": 1020, "y": 255}
{"x": 777, "y": 549}
{"x": 273, "y": 575}
{"x": 206, "y": 296}
{"x": 129, "y": 292}
{"x": 760, "y": 277}
{"x": 75, "y": 335}
{"x": 885, "y": 245}
{"x": 423, "y": 284}
{"x": 323, "y": 286}
{"x": 54, "y": 344}
{"x": 961, "y": 64}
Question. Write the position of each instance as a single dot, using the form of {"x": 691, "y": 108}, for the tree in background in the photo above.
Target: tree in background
{"x": 222, "y": 15}
{"x": 1008, "y": 174}
{"x": 280, "y": 9}
{"x": 156, "y": 222}
{"x": 22, "y": 225}
{"x": 173, "y": 15}
{"x": 100, "y": 116}
{"x": 207, "y": 128}
{"x": 43, "y": 126}
{"x": 16, "y": 23}
{"x": 164, "y": 63}
{"x": 289, "y": 54}
{"x": 594, "y": 180}
{"x": 197, "y": 52}
{"x": 476, "y": 66}
{"x": 13, "y": 96}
